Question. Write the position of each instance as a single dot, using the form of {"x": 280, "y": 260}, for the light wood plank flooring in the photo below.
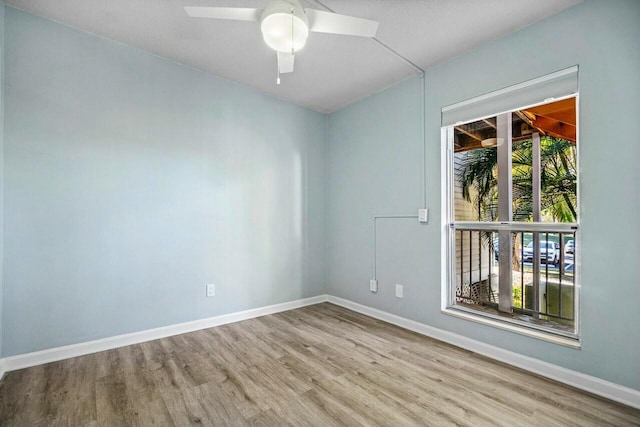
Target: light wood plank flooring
{"x": 319, "y": 365}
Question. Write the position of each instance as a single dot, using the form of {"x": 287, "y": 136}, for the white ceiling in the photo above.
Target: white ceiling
{"x": 331, "y": 71}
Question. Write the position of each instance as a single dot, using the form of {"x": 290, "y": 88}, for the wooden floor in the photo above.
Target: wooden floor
{"x": 319, "y": 365}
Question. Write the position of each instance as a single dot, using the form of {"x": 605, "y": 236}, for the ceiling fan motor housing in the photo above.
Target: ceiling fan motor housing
{"x": 284, "y": 26}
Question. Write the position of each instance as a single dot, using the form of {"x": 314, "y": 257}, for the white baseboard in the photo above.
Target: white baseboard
{"x": 616, "y": 392}
{"x": 26, "y": 360}
{"x": 613, "y": 391}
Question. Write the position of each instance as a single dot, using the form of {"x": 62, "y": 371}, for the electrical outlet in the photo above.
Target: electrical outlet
{"x": 373, "y": 285}
{"x": 211, "y": 290}
{"x": 399, "y": 291}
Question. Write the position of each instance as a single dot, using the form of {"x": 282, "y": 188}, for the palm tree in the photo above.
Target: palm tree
{"x": 557, "y": 180}
{"x": 479, "y": 181}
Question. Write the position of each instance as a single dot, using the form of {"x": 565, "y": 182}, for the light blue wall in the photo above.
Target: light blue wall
{"x": 1, "y": 156}
{"x": 131, "y": 182}
{"x": 374, "y": 168}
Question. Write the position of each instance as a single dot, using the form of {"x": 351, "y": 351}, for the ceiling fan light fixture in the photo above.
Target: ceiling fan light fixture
{"x": 284, "y": 26}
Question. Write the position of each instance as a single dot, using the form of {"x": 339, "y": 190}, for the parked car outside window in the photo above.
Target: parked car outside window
{"x": 568, "y": 247}
{"x": 549, "y": 252}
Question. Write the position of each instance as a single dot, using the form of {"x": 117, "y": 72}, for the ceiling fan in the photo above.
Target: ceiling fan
{"x": 285, "y": 25}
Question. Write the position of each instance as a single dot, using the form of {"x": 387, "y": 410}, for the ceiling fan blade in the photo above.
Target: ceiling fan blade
{"x": 285, "y": 62}
{"x": 234, "y": 13}
{"x": 334, "y": 23}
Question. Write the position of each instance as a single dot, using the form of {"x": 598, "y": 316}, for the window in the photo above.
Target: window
{"x": 512, "y": 209}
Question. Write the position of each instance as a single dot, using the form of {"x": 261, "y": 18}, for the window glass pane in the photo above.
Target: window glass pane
{"x": 522, "y": 177}
{"x": 543, "y": 166}
{"x": 476, "y": 171}
{"x": 527, "y": 158}
{"x": 477, "y": 271}
{"x": 559, "y": 180}
{"x": 552, "y": 280}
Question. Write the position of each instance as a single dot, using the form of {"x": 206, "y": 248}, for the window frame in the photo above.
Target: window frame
{"x": 448, "y": 291}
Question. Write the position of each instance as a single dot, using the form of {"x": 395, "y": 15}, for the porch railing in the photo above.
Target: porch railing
{"x": 540, "y": 269}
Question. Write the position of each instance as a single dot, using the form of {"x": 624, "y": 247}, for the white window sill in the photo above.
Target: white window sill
{"x": 514, "y": 327}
